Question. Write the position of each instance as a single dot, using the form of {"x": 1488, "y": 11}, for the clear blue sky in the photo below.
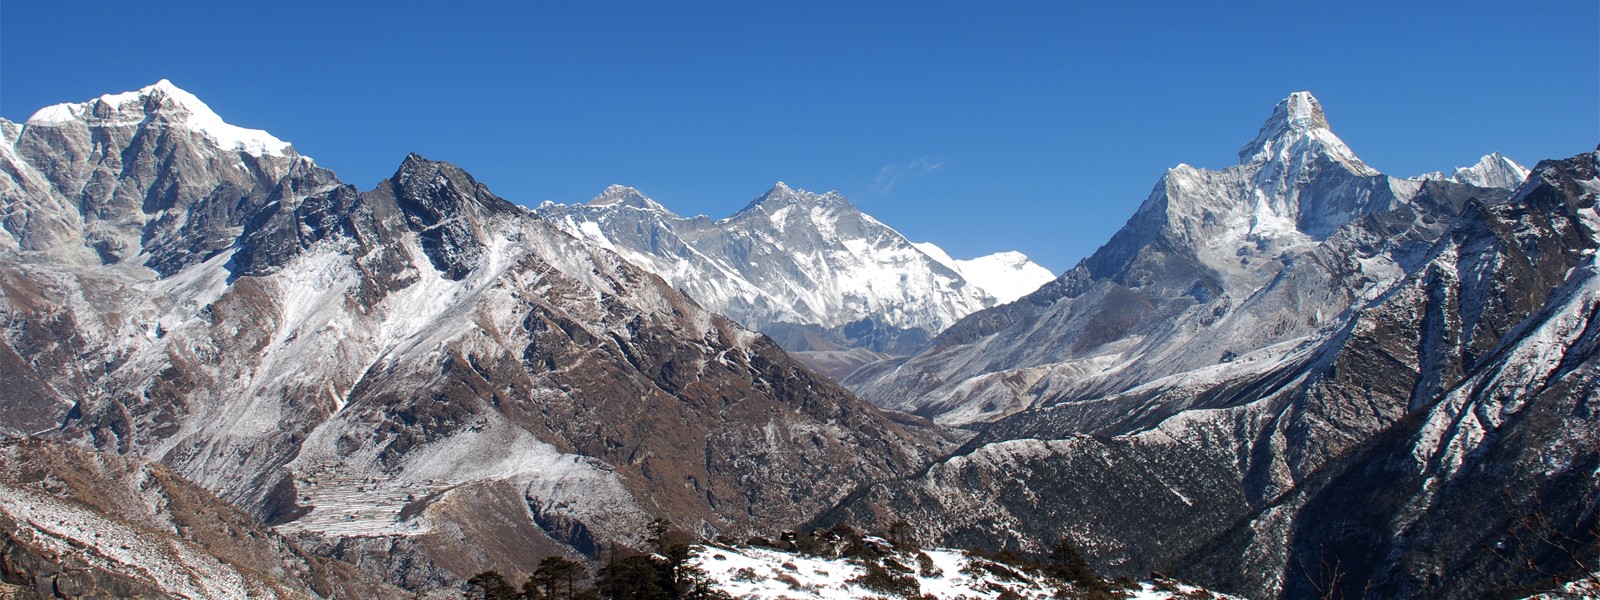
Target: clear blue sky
{"x": 1035, "y": 126}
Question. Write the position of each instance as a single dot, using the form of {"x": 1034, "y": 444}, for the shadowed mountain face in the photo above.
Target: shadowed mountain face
{"x": 385, "y": 374}
{"x": 1387, "y": 397}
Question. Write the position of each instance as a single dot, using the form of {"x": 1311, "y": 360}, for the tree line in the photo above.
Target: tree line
{"x": 665, "y": 573}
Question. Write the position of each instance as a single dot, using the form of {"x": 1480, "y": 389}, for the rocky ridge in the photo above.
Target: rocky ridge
{"x": 79, "y": 524}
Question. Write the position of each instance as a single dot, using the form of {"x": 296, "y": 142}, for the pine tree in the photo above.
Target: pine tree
{"x": 557, "y": 578}
{"x": 490, "y": 585}
{"x": 1068, "y": 564}
{"x": 634, "y": 577}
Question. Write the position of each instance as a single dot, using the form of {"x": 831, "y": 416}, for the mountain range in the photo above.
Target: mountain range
{"x": 1217, "y": 271}
{"x": 832, "y": 285}
{"x": 1292, "y": 377}
{"x": 1289, "y": 378}
{"x": 393, "y": 376}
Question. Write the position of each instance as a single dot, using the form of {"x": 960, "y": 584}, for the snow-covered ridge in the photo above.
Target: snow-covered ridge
{"x": 1493, "y": 170}
{"x": 1006, "y": 275}
{"x": 181, "y": 108}
{"x": 795, "y": 257}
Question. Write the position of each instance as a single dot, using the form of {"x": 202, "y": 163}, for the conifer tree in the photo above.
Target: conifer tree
{"x": 633, "y": 577}
{"x": 557, "y": 578}
{"x": 490, "y": 585}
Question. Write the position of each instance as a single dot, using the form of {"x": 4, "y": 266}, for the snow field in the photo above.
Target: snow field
{"x": 765, "y": 574}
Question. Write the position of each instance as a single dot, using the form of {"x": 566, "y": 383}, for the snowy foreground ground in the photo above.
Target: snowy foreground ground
{"x": 758, "y": 574}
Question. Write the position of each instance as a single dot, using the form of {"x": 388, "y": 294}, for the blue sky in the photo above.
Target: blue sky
{"x": 1034, "y": 126}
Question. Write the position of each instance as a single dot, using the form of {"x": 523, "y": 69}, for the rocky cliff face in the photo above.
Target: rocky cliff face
{"x": 1421, "y": 441}
{"x": 423, "y": 379}
{"x": 1488, "y": 485}
{"x": 78, "y": 524}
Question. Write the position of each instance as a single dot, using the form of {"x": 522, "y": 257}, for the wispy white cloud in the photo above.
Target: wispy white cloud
{"x": 890, "y": 175}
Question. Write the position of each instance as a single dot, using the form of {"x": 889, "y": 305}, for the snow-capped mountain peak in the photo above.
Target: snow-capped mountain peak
{"x": 780, "y": 192}
{"x": 782, "y": 195}
{"x": 1297, "y": 182}
{"x": 1006, "y": 275}
{"x": 804, "y": 268}
{"x": 1203, "y": 238}
{"x": 1297, "y": 132}
{"x": 1298, "y": 114}
{"x": 174, "y": 106}
{"x": 621, "y": 195}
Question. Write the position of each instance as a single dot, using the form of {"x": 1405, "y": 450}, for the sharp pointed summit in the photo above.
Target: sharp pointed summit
{"x": 1296, "y": 133}
{"x": 1295, "y": 115}
{"x": 781, "y": 195}
{"x": 1202, "y": 237}
{"x": 621, "y": 195}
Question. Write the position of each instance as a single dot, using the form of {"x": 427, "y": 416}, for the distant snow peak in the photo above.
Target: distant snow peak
{"x": 783, "y": 195}
{"x": 1006, "y": 275}
{"x": 781, "y": 192}
{"x": 793, "y": 258}
{"x": 179, "y": 107}
{"x": 1494, "y": 170}
{"x": 621, "y": 195}
{"x": 614, "y": 193}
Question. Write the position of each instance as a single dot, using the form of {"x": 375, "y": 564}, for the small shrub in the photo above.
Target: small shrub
{"x": 1003, "y": 592}
{"x": 789, "y": 580}
{"x": 878, "y": 579}
{"x": 891, "y": 564}
{"x": 978, "y": 567}
{"x": 925, "y": 566}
